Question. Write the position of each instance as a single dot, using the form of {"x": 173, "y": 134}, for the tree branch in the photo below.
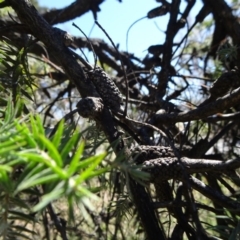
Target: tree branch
{"x": 219, "y": 105}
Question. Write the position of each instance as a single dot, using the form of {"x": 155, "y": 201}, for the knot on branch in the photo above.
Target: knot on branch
{"x": 64, "y": 37}
{"x": 161, "y": 162}
{"x": 162, "y": 169}
{"x": 90, "y": 107}
{"x": 145, "y": 152}
{"x": 106, "y": 88}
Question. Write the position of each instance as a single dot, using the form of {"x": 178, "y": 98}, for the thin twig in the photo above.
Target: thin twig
{"x": 91, "y": 46}
{"x": 120, "y": 58}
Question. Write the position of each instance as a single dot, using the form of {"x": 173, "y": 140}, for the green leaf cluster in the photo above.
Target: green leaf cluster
{"x": 36, "y": 170}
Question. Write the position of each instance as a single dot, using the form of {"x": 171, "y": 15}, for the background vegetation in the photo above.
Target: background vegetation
{"x": 163, "y": 166}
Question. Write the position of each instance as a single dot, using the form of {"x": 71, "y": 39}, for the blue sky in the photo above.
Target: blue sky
{"x": 116, "y": 18}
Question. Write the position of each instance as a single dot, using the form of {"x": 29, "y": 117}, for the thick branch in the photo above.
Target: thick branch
{"x": 167, "y": 168}
{"x": 76, "y": 9}
{"x": 219, "y": 105}
{"x": 54, "y": 44}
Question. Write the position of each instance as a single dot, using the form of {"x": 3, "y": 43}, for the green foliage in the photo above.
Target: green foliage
{"x": 14, "y": 76}
{"x": 61, "y": 170}
{"x": 236, "y": 232}
{"x": 34, "y": 166}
